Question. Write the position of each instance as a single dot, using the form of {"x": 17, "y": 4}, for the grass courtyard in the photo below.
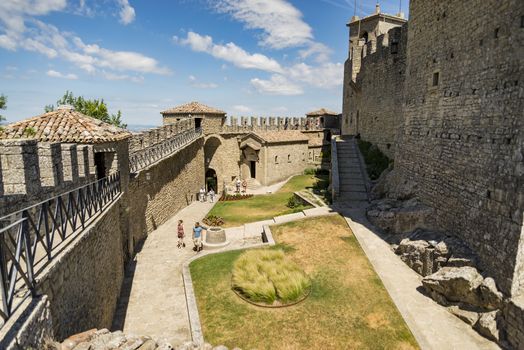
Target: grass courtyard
{"x": 348, "y": 307}
{"x": 266, "y": 206}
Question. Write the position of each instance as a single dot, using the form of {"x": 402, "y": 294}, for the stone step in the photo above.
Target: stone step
{"x": 353, "y": 181}
{"x": 351, "y": 195}
{"x": 352, "y": 188}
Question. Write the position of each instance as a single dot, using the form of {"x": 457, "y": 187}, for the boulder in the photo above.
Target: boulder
{"x": 487, "y": 325}
{"x": 398, "y": 217}
{"x": 470, "y": 317}
{"x": 490, "y": 296}
{"x": 149, "y": 344}
{"x": 458, "y": 284}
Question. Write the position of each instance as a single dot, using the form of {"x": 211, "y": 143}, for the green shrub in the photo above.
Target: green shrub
{"x": 376, "y": 161}
{"x": 293, "y": 202}
{"x": 267, "y": 276}
{"x": 310, "y": 171}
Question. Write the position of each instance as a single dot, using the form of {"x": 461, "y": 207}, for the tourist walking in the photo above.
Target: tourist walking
{"x": 238, "y": 183}
{"x": 211, "y": 195}
{"x": 244, "y": 185}
{"x": 202, "y": 194}
{"x": 197, "y": 237}
{"x": 180, "y": 234}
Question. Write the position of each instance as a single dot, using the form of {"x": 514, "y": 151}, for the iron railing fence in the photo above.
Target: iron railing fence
{"x": 147, "y": 156}
{"x": 32, "y": 235}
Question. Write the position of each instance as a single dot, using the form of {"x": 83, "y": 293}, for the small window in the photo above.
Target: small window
{"x": 394, "y": 48}
{"x": 289, "y": 158}
{"x": 436, "y": 77}
{"x": 276, "y": 159}
{"x": 521, "y": 21}
{"x": 496, "y": 33}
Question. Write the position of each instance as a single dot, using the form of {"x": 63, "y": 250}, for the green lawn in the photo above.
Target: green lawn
{"x": 266, "y": 206}
{"x": 348, "y": 307}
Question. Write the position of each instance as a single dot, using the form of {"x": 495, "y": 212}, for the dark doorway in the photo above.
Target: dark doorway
{"x": 253, "y": 169}
{"x": 100, "y": 164}
{"x": 211, "y": 179}
{"x": 198, "y": 123}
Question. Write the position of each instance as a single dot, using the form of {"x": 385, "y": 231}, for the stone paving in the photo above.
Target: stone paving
{"x": 153, "y": 298}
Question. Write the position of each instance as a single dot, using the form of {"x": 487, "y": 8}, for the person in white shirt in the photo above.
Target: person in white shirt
{"x": 211, "y": 195}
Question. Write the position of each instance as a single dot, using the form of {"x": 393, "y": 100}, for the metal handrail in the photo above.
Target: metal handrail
{"x": 147, "y": 156}
{"x": 30, "y": 235}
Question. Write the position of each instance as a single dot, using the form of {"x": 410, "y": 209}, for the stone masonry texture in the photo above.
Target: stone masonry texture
{"x": 158, "y": 192}
{"x": 462, "y": 137}
{"x": 83, "y": 282}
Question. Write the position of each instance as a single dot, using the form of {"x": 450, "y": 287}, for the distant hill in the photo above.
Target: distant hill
{"x": 139, "y": 128}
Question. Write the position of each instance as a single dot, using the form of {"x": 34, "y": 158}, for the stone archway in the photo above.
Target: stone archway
{"x": 211, "y": 180}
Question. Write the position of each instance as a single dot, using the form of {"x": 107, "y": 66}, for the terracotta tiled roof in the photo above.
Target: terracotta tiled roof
{"x": 193, "y": 108}
{"x": 65, "y": 125}
{"x": 321, "y": 111}
{"x": 281, "y": 136}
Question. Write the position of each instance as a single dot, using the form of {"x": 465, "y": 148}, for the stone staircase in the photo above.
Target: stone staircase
{"x": 352, "y": 179}
{"x": 252, "y": 184}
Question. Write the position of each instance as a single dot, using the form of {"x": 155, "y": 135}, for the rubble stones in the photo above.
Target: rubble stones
{"x": 428, "y": 251}
{"x": 399, "y": 216}
{"x": 463, "y": 285}
{"x": 488, "y": 325}
{"x": 457, "y": 284}
{"x": 105, "y": 340}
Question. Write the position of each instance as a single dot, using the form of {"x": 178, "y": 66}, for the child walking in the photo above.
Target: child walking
{"x": 181, "y": 234}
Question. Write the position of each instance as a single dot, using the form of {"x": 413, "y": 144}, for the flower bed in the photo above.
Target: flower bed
{"x": 234, "y": 197}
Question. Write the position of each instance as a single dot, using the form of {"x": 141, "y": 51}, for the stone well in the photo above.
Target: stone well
{"x": 215, "y": 238}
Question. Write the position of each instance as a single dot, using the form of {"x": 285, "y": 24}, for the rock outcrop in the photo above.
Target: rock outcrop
{"x": 396, "y": 217}
{"x": 428, "y": 251}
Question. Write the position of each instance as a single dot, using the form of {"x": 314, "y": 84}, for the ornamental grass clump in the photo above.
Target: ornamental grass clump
{"x": 268, "y": 277}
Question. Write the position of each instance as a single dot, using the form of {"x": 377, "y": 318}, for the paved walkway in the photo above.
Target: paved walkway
{"x": 431, "y": 324}
{"x": 153, "y": 300}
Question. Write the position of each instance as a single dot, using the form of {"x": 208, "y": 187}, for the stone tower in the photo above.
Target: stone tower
{"x": 363, "y": 39}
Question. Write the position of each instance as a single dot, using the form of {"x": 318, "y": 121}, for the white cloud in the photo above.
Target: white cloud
{"x": 280, "y": 21}
{"x": 113, "y": 76}
{"x": 22, "y": 30}
{"x": 277, "y": 85}
{"x": 197, "y": 84}
{"x": 127, "y": 12}
{"x": 241, "y": 109}
{"x": 328, "y": 75}
{"x": 55, "y": 74}
{"x": 230, "y": 53}
{"x": 7, "y": 42}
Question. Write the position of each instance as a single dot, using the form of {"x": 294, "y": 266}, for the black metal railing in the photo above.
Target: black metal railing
{"x": 147, "y": 156}
{"x": 30, "y": 238}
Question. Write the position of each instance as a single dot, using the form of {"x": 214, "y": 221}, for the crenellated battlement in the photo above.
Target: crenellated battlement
{"x": 154, "y": 136}
{"x": 253, "y": 123}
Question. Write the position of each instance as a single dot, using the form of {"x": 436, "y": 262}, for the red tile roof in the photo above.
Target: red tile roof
{"x": 193, "y": 108}
{"x": 64, "y": 125}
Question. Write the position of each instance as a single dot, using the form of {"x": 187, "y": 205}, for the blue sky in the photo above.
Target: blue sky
{"x": 247, "y": 57}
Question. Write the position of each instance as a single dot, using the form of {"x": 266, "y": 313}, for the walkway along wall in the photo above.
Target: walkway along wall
{"x": 156, "y": 193}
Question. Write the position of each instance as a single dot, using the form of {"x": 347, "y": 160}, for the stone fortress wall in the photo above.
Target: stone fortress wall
{"x": 372, "y": 104}
{"x": 456, "y": 106}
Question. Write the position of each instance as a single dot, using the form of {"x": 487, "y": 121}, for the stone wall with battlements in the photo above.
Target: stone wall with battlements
{"x": 32, "y": 171}
{"x": 372, "y": 105}
{"x": 246, "y": 124}
{"x": 156, "y": 193}
{"x": 462, "y": 139}
{"x": 154, "y": 136}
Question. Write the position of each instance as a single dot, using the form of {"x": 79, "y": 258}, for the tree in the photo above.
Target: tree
{"x": 95, "y": 108}
{"x": 3, "y": 102}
